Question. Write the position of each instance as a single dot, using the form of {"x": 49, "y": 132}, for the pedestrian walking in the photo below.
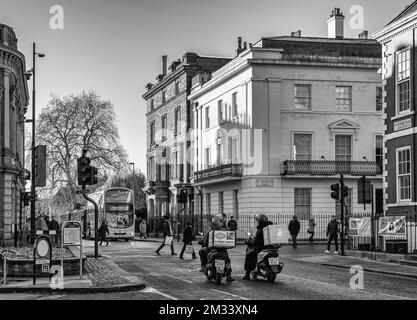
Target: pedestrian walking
{"x": 332, "y": 233}
{"x": 142, "y": 229}
{"x": 232, "y": 224}
{"x": 103, "y": 231}
{"x": 311, "y": 229}
{"x": 168, "y": 236}
{"x": 40, "y": 224}
{"x": 187, "y": 238}
{"x": 54, "y": 226}
{"x": 294, "y": 229}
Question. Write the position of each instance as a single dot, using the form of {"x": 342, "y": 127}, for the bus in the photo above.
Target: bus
{"x": 116, "y": 206}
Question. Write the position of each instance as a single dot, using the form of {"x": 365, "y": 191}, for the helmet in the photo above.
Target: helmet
{"x": 263, "y": 218}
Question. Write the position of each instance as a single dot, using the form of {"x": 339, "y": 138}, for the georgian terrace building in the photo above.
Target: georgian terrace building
{"x": 276, "y": 126}
{"x": 13, "y": 103}
{"x": 398, "y": 40}
{"x": 169, "y": 121}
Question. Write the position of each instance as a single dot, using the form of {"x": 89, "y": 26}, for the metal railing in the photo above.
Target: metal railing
{"x": 326, "y": 167}
{"x": 226, "y": 170}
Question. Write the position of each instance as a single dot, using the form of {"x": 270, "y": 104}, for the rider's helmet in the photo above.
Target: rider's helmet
{"x": 263, "y": 218}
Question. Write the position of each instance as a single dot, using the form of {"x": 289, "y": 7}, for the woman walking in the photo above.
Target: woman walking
{"x": 142, "y": 229}
{"x": 311, "y": 229}
{"x": 103, "y": 231}
{"x": 188, "y": 240}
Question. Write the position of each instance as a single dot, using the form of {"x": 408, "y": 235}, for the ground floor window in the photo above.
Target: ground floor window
{"x": 221, "y": 202}
{"x": 404, "y": 174}
{"x": 208, "y": 203}
{"x": 236, "y": 203}
{"x": 302, "y": 203}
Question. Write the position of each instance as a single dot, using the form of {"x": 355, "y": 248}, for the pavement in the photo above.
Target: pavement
{"x": 101, "y": 275}
{"x": 308, "y": 274}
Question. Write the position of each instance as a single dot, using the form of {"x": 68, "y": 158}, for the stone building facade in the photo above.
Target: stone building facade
{"x": 276, "y": 126}
{"x": 169, "y": 123}
{"x": 13, "y": 104}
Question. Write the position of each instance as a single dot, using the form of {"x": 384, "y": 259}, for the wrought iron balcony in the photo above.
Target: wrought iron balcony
{"x": 230, "y": 170}
{"x": 328, "y": 168}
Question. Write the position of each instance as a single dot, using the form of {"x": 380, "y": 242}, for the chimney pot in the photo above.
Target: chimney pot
{"x": 296, "y": 33}
{"x": 363, "y": 35}
{"x": 164, "y": 64}
{"x": 245, "y": 45}
{"x": 239, "y": 42}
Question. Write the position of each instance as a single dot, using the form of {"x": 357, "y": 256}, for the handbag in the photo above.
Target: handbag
{"x": 168, "y": 240}
{"x": 189, "y": 249}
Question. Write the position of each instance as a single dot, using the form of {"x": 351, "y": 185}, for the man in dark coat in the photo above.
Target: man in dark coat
{"x": 167, "y": 232}
{"x": 332, "y": 233}
{"x": 294, "y": 229}
{"x": 232, "y": 224}
{"x": 103, "y": 231}
{"x": 256, "y": 246}
{"x": 54, "y": 226}
{"x": 187, "y": 238}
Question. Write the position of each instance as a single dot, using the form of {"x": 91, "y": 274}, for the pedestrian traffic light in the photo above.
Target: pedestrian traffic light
{"x": 182, "y": 196}
{"x": 335, "y": 191}
{"x": 26, "y": 199}
{"x": 345, "y": 191}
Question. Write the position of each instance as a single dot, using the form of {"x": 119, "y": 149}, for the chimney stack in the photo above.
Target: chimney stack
{"x": 363, "y": 35}
{"x": 164, "y": 65}
{"x": 296, "y": 34}
{"x": 239, "y": 46}
{"x": 245, "y": 45}
{"x": 335, "y": 24}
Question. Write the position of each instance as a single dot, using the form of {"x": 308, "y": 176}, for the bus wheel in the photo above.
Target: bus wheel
{"x": 127, "y": 239}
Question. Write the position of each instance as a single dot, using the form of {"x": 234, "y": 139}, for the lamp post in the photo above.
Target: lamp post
{"x": 133, "y": 182}
{"x": 33, "y": 182}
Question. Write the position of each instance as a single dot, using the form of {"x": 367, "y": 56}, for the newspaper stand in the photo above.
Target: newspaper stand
{"x": 71, "y": 236}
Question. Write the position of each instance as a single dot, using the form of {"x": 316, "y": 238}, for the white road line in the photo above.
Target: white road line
{"x": 153, "y": 290}
{"x": 230, "y": 294}
{"x": 51, "y": 297}
{"x": 336, "y": 286}
{"x": 188, "y": 281}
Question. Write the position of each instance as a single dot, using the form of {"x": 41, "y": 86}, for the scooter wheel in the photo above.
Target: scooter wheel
{"x": 271, "y": 276}
{"x": 218, "y": 278}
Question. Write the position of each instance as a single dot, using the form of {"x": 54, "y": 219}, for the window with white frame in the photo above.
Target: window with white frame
{"x": 221, "y": 202}
{"x": 378, "y": 149}
{"x": 302, "y": 203}
{"x": 403, "y": 80}
{"x": 302, "y": 146}
{"x": 220, "y": 151}
{"x": 177, "y": 116}
{"x": 164, "y": 127}
{"x": 302, "y": 96}
{"x": 177, "y": 87}
{"x": 207, "y": 159}
{"x": 378, "y": 99}
{"x": 164, "y": 96}
{"x": 235, "y": 156}
{"x": 404, "y": 174}
{"x": 151, "y": 169}
{"x": 343, "y": 147}
{"x": 152, "y": 133}
{"x": 220, "y": 111}
{"x": 208, "y": 203}
{"x": 207, "y": 118}
{"x": 234, "y": 104}
{"x": 343, "y": 98}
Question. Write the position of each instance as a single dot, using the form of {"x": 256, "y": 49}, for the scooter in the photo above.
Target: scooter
{"x": 268, "y": 263}
{"x": 217, "y": 268}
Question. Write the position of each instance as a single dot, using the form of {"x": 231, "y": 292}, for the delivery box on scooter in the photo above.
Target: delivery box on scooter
{"x": 222, "y": 239}
{"x": 275, "y": 234}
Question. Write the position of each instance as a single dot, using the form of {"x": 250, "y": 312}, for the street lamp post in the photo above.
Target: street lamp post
{"x": 33, "y": 187}
{"x": 133, "y": 182}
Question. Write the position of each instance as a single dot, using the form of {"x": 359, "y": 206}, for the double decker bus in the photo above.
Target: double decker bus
{"x": 116, "y": 206}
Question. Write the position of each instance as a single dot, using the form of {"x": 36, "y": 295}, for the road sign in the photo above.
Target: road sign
{"x": 72, "y": 235}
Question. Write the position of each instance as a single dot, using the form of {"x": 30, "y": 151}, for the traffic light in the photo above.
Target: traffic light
{"x": 345, "y": 191}
{"x": 40, "y": 166}
{"x": 84, "y": 170}
{"x": 335, "y": 191}
{"x": 94, "y": 178}
{"x": 182, "y": 196}
{"x": 26, "y": 198}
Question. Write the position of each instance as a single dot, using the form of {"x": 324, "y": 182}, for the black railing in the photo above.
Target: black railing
{"x": 222, "y": 171}
{"x": 326, "y": 168}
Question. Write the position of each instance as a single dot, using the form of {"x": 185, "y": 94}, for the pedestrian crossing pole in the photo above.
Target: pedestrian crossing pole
{"x": 342, "y": 215}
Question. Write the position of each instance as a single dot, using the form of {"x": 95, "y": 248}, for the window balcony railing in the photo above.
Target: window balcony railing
{"x": 328, "y": 168}
{"x": 230, "y": 170}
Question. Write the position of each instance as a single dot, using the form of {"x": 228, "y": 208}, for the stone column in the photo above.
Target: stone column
{"x": 6, "y": 109}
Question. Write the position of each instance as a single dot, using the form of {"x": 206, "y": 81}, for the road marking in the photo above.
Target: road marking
{"x": 152, "y": 274}
{"x": 336, "y": 286}
{"x": 230, "y": 294}
{"x": 51, "y": 297}
{"x": 153, "y": 290}
{"x": 188, "y": 281}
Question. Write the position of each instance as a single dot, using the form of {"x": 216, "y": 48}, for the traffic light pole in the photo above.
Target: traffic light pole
{"x": 95, "y": 220}
{"x": 342, "y": 216}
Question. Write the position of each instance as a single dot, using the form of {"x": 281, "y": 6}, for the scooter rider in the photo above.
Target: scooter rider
{"x": 217, "y": 224}
{"x": 256, "y": 246}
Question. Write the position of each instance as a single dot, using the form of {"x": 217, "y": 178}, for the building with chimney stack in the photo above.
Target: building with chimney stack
{"x": 277, "y": 125}
{"x": 169, "y": 122}
{"x": 398, "y": 40}
{"x": 13, "y": 104}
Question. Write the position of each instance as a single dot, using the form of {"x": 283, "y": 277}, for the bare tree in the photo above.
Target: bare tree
{"x": 71, "y": 124}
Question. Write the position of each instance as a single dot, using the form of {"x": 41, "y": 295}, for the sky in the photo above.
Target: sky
{"x": 115, "y": 47}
